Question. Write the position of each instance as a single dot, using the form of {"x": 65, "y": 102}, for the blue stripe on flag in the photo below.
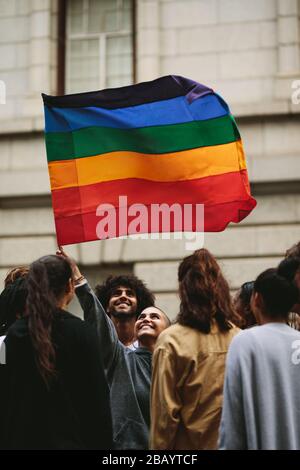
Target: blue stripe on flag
{"x": 165, "y": 112}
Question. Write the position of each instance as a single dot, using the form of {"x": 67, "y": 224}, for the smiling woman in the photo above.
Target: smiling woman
{"x": 151, "y": 322}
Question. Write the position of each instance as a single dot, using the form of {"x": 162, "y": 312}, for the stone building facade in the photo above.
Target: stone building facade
{"x": 249, "y": 52}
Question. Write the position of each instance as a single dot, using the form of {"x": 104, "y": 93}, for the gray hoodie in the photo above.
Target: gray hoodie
{"x": 128, "y": 373}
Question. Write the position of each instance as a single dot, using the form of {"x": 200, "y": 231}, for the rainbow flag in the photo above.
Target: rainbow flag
{"x": 167, "y": 141}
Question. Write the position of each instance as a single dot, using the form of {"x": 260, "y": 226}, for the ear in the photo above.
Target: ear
{"x": 257, "y": 306}
{"x": 254, "y": 299}
{"x": 70, "y": 288}
{"x": 259, "y": 301}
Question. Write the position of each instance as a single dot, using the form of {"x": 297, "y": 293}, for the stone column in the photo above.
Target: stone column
{"x": 148, "y": 36}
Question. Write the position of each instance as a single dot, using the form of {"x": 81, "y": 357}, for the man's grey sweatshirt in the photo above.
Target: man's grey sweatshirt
{"x": 128, "y": 373}
{"x": 261, "y": 406}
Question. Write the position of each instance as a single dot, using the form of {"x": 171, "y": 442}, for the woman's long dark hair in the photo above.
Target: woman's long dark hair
{"x": 46, "y": 283}
{"x": 204, "y": 293}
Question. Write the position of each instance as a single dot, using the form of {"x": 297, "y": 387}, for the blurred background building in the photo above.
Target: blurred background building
{"x": 248, "y": 51}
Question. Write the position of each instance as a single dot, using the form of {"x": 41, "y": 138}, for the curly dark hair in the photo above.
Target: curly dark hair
{"x": 15, "y": 273}
{"x": 204, "y": 293}
{"x": 145, "y": 298}
{"x": 294, "y": 251}
{"x": 288, "y": 268}
{"x": 12, "y": 303}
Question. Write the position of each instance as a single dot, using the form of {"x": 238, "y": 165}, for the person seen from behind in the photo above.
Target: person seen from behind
{"x": 189, "y": 359}
{"x": 58, "y": 397}
{"x": 261, "y": 408}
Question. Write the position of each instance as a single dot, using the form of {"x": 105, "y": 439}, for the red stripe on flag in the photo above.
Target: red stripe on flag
{"x": 210, "y": 190}
{"x": 216, "y": 218}
{"x": 226, "y": 199}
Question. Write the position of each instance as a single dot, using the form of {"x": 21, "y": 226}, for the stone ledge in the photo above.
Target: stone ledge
{"x": 26, "y": 182}
{"x": 19, "y": 251}
{"x": 15, "y": 126}
{"x": 169, "y": 303}
{"x": 162, "y": 276}
{"x": 284, "y": 107}
{"x": 260, "y": 109}
{"x": 234, "y": 242}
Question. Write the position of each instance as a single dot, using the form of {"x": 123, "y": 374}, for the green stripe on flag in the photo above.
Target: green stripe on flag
{"x": 153, "y": 140}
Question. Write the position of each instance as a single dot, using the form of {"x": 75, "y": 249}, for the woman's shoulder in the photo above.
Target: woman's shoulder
{"x": 175, "y": 335}
{"x": 65, "y": 319}
{"x": 73, "y": 326}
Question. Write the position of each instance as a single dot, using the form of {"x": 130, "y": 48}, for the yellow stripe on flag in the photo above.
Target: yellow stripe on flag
{"x": 178, "y": 166}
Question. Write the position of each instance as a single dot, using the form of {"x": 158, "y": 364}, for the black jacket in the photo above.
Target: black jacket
{"x": 75, "y": 412}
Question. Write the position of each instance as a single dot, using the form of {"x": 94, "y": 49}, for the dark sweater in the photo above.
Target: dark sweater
{"x": 129, "y": 377}
{"x": 75, "y": 412}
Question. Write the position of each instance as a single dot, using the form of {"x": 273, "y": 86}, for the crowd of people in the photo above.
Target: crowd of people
{"x": 225, "y": 374}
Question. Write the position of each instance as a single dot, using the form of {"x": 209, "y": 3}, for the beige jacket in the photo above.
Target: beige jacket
{"x": 187, "y": 388}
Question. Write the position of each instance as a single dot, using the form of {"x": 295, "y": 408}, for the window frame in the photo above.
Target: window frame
{"x": 66, "y": 37}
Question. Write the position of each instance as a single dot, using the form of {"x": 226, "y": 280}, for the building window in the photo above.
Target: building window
{"x": 99, "y": 44}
